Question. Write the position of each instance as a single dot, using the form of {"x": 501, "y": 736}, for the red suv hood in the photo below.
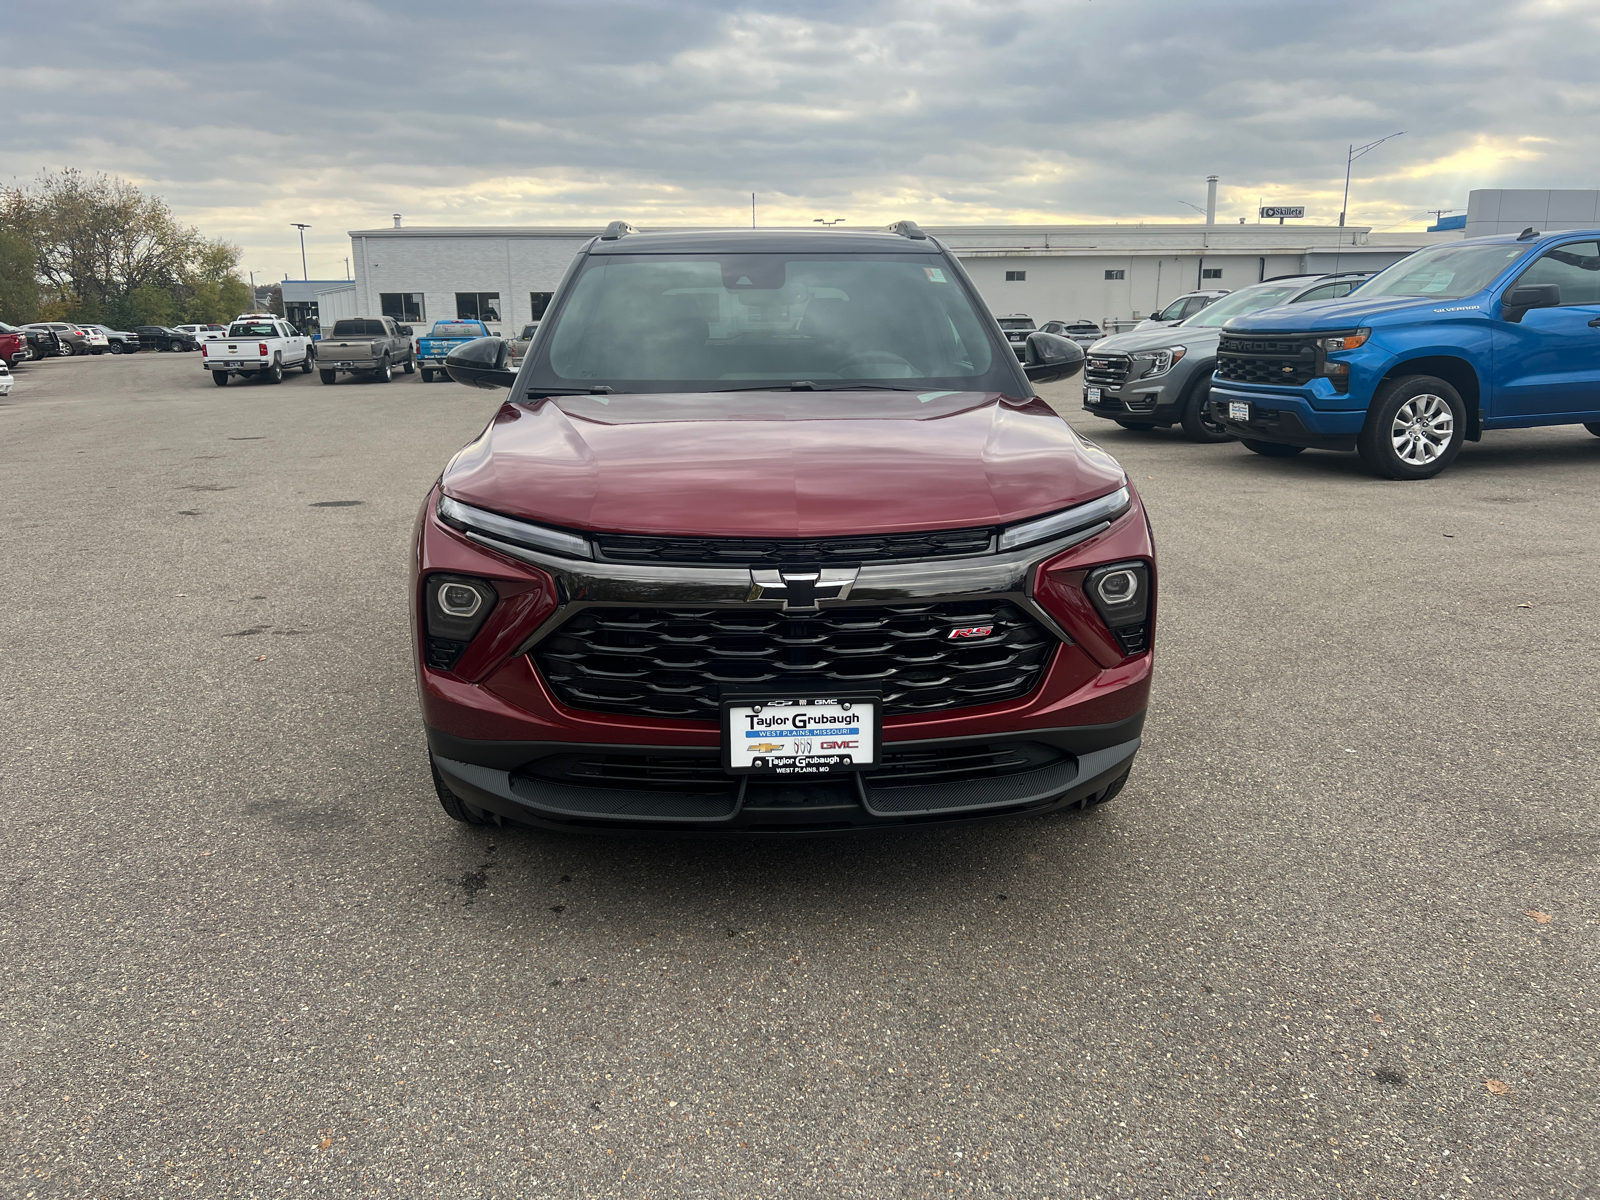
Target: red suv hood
{"x": 779, "y": 464}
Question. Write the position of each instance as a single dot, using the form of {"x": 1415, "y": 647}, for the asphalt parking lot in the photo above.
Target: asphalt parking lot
{"x": 1338, "y": 937}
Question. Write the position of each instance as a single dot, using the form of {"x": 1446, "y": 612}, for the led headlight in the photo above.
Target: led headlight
{"x": 1081, "y": 516}
{"x": 1345, "y": 341}
{"x": 1120, "y": 593}
{"x": 469, "y": 519}
{"x": 1161, "y": 361}
{"x": 457, "y": 606}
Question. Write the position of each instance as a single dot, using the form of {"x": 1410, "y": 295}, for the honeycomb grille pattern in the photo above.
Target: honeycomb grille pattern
{"x": 678, "y": 662}
{"x": 774, "y": 552}
{"x": 1268, "y": 360}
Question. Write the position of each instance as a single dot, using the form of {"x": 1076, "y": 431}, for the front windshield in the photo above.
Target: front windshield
{"x": 1444, "y": 272}
{"x": 1248, "y": 300}
{"x": 659, "y": 323}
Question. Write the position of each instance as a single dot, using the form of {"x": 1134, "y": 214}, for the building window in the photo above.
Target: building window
{"x": 537, "y": 303}
{"x": 1116, "y": 274}
{"x": 404, "y": 307}
{"x": 477, "y": 306}
{"x": 1210, "y": 272}
{"x": 1016, "y": 276}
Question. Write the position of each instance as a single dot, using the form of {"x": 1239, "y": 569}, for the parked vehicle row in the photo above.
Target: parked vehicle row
{"x": 1402, "y": 368}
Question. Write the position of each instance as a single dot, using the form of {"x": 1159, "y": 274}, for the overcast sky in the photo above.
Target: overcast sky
{"x": 249, "y": 116}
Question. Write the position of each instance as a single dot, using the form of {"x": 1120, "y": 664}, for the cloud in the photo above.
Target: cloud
{"x": 341, "y": 112}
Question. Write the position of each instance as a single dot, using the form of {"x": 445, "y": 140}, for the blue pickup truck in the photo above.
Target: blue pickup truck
{"x": 444, "y": 337}
{"x": 1488, "y": 333}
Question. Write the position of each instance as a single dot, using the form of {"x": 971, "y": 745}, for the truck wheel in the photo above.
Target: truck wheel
{"x": 66, "y": 350}
{"x": 1198, "y": 424}
{"x": 385, "y": 372}
{"x": 454, "y": 806}
{"x": 308, "y": 363}
{"x": 1270, "y": 449}
{"x": 274, "y": 373}
{"x": 427, "y": 375}
{"x": 175, "y": 347}
{"x": 1415, "y": 429}
{"x": 1138, "y": 426}
{"x": 411, "y": 366}
{"x": 115, "y": 347}
{"x": 220, "y": 378}
{"x": 327, "y": 375}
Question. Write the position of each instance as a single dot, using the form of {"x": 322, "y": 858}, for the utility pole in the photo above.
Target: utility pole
{"x": 305, "y": 274}
{"x": 752, "y": 210}
{"x": 1355, "y": 153}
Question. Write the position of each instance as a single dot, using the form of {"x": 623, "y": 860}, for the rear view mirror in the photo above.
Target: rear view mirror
{"x": 404, "y": 331}
{"x": 483, "y": 363}
{"x": 1051, "y": 357}
{"x": 1518, "y": 300}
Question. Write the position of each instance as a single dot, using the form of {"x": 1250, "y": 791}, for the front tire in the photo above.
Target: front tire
{"x": 274, "y": 373}
{"x": 175, "y": 347}
{"x": 220, "y": 378}
{"x": 385, "y": 372}
{"x": 454, "y": 806}
{"x": 1270, "y": 449}
{"x": 1417, "y": 426}
{"x": 115, "y": 347}
{"x": 411, "y": 366}
{"x": 1198, "y": 424}
{"x": 427, "y": 375}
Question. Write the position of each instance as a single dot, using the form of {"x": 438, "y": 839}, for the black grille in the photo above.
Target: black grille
{"x": 702, "y": 774}
{"x": 678, "y": 662}
{"x": 1106, "y": 370}
{"x": 1273, "y": 359}
{"x": 891, "y": 547}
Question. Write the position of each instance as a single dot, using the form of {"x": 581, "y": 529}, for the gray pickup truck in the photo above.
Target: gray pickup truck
{"x": 372, "y": 345}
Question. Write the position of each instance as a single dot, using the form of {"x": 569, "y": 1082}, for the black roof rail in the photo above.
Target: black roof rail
{"x": 617, "y": 229}
{"x": 1528, "y": 234}
{"x": 908, "y": 229}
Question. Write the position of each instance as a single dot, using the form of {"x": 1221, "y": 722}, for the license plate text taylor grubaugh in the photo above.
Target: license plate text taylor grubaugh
{"x": 800, "y": 736}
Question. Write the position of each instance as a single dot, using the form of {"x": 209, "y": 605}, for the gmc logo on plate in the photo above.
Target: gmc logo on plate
{"x": 971, "y": 631}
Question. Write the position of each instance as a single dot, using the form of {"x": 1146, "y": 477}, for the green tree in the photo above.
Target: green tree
{"x": 106, "y": 252}
{"x": 19, "y": 286}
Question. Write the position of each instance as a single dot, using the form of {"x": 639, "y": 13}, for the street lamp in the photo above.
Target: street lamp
{"x": 1355, "y": 153}
{"x": 304, "y": 272}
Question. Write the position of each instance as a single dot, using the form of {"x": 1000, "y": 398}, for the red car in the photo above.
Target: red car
{"x": 13, "y": 345}
{"x": 773, "y": 535}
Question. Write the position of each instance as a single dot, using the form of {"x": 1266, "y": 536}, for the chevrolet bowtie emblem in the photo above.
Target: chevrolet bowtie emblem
{"x": 800, "y": 589}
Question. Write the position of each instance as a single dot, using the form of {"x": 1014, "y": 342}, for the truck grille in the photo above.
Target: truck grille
{"x": 1281, "y": 359}
{"x": 774, "y": 552}
{"x": 677, "y": 662}
{"x": 1106, "y": 370}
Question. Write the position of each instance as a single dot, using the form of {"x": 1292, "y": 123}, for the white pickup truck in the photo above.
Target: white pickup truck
{"x": 258, "y": 344}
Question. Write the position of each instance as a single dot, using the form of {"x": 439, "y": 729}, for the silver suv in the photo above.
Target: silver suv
{"x": 1184, "y": 306}
{"x": 1162, "y": 376}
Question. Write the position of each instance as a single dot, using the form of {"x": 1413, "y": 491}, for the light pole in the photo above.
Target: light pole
{"x": 1355, "y": 153}
{"x": 304, "y": 272}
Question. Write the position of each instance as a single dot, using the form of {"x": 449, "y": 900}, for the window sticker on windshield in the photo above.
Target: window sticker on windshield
{"x": 936, "y": 274}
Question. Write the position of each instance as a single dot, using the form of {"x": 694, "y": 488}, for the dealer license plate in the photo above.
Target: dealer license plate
{"x": 1091, "y": 396}
{"x": 345, "y": 364}
{"x": 1238, "y": 410}
{"x": 234, "y": 362}
{"x": 793, "y": 737}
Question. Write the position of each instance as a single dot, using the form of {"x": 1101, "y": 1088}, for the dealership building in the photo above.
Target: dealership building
{"x": 1105, "y": 273}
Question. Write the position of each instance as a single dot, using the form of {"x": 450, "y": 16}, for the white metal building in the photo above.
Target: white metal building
{"x": 1103, "y": 272}
{"x": 1506, "y": 210}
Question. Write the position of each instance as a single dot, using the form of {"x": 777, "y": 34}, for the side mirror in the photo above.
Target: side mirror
{"x": 1051, "y": 357}
{"x": 483, "y": 363}
{"x": 404, "y": 331}
{"x": 1518, "y": 300}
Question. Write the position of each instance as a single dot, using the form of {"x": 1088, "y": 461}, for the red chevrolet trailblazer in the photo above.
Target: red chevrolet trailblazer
{"x": 773, "y": 535}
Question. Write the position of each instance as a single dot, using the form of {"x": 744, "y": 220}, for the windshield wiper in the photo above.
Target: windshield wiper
{"x": 805, "y": 385}
{"x": 598, "y": 390}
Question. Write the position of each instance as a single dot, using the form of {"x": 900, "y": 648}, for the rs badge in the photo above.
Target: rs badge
{"x": 971, "y": 631}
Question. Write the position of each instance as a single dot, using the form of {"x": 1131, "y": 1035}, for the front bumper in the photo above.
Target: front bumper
{"x": 493, "y": 718}
{"x": 1284, "y": 415}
